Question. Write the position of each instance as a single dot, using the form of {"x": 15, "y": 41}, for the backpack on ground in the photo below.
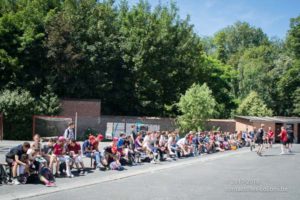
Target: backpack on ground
{"x": 3, "y": 175}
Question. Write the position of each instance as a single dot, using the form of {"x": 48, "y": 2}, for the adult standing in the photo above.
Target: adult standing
{"x": 283, "y": 138}
{"x": 259, "y": 139}
{"x": 290, "y": 140}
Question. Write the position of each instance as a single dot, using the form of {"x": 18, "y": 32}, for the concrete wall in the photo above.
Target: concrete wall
{"x": 164, "y": 123}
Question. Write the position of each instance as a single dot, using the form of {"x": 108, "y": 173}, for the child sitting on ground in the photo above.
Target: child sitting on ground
{"x": 46, "y": 176}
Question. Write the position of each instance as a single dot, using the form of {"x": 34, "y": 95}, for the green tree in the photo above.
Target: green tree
{"x": 162, "y": 52}
{"x": 218, "y": 77}
{"x": 236, "y": 38}
{"x": 293, "y": 37}
{"x": 196, "y": 105}
{"x": 255, "y": 73}
{"x": 22, "y": 49}
{"x": 18, "y": 107}
{"x": 253, "y": 105}
{"x": 48, "y": 103}
{"x": 296, "y": 99}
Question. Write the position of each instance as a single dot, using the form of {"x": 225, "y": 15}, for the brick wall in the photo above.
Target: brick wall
{"x": 226, "y": 125}
{"x": 84, "y": 108}
{"x": 88, "y": 113}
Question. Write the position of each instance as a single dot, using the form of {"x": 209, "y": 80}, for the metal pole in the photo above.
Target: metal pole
{"x": 76, "y": 126}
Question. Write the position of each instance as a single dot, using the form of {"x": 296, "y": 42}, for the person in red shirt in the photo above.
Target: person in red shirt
{"x": 74, "y": 151}
{"x": 59, "y": 156}
{"x": 270, "y": 137}
{"x": 283, "y": 138}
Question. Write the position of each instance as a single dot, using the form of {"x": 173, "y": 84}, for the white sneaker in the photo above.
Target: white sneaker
{"x": 153, "y": 162}
{"x": 71, "y": 176}
{"x": 16, "y": 182}
{"x": 168, "y": 159}
{"x": 282, "y": 153}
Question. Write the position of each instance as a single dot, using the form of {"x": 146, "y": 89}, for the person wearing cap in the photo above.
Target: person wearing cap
{"x": 90, "y": 149}
{"x": 69, "y": 132}
{"x": 59, "y": 154}
{"x": 112, "y": 155}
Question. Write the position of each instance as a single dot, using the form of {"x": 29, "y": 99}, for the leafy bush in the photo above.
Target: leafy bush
{"x": 196, "y": 106}
{"x": 18, "y": 107}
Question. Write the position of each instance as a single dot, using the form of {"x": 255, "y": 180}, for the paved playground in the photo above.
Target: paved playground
{"x": 230, "y": 175}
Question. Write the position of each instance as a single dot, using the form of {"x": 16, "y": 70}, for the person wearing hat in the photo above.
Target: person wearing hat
{"x": 112, "y": 156}
{"x": 59, "y": 155}
{"x": 90, "y": 149}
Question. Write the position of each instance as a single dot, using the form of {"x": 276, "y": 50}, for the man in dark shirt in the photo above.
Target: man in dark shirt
{"x": 13, "y": 158}
{"x": 260, "y": 139}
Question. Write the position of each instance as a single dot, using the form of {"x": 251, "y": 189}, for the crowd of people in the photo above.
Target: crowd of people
{"x": 59, "y": 157}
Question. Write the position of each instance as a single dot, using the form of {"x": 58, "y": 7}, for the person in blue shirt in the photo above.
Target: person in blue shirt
{"x": 120, "y": 143}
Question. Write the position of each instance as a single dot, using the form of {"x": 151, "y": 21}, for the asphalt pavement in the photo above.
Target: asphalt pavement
{"x": 237, "y": 174}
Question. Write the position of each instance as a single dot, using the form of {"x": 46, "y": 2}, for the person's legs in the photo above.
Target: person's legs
{"x": 47, "y": 182}
{"x": 14, "y": 167}
{"x": 97, "y": 157}
{"x": 289, "y": 145}
{"x": 15, "y": 170}
{"x": 51, "y": 161}
{"x": 67, "y": 160}
{"x": 57, "y": 172}
{"x": 282, "y": 149}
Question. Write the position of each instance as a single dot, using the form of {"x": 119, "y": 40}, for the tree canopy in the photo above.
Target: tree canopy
{"x": 139, "y": 60}
{"x": 197, "y": 105}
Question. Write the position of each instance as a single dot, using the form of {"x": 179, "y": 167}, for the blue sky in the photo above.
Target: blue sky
{"x": 209, "y": 16}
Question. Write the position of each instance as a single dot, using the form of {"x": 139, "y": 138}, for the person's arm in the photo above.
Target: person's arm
{"x": 139, "y": 142}
{"x": 19, "y": 161}
{"x": 87, "y": 150}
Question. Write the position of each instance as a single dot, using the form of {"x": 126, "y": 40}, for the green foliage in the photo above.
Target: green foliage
{"x": 218, "y": 77}
{"x": 48, "y": 103}
{"x": 139, "y": 60}
{"x": 196, "y": 105}
{"x": 18, "y": 108}
{"x": 236, "y": 38}
{"x": 253, "y": 105}
{"x": 255, "y": 73}
{"x": 296, "y": 100}
{"x": 293, "y": 38}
